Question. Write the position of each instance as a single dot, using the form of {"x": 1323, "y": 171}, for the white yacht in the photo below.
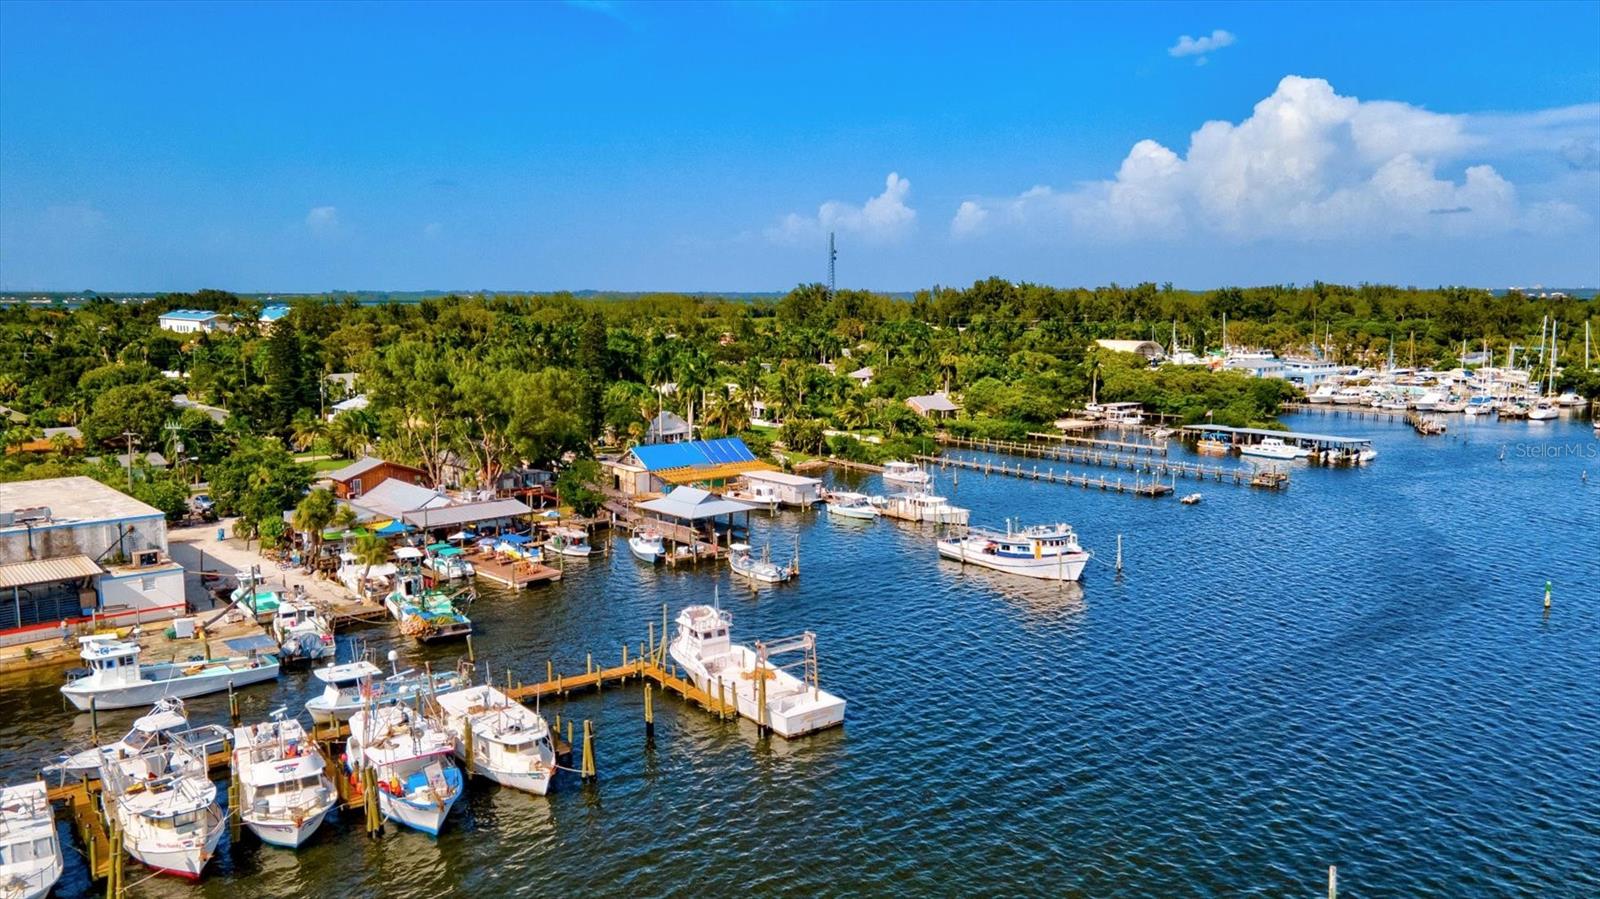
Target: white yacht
{"x": 1452, "y": 403}
{"x": 1571, "y": 400}
{"x": 510, "y": 742}
{"x": 1426, "y": 400}
{"x": 116, "y": 679}
{"x": 167, "y": 722}
{"x": 756, "y": 494}
{"x": 794, "y": 706}
{"x": 898, "y": 472}
{"x": 1323, "y": 395}
{"x": 1349, "y": 396}
{"x": 851, "y": 505}
{"x": 285, "y": 793}
{"x": 921, "y": 505}
{"x": 30, "y": 851}
{"x": 1050, "y": 552}
{"x": 346, "y": 688}
{"x": 1481, "y": 404}
{"x": 762, "y": 571}
{"x": 418, "y": 782}
{"x": 647, "y": 546}
{"x": 1270, "y": 448}
{"x": 303, "y": 633}
{"x": 166, "y": 805}
{"x": 1544, "y": 410}
{"x": 570, "y": 542}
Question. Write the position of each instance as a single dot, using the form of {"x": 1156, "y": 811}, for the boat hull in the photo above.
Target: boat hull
{"x": 528, "y": 782}
{"x": 857, "y": 513}
{"x": 646, "y": 551}
{"x": 1275, "y": 455}
{"x": 186, "y": 859}
{"x": 144, "y": 694}
{"x": 790, "y": 716}
{"x": 285, "y": 833}
{"x": 426, "y": 817}
{"x": 1067, "y": 567}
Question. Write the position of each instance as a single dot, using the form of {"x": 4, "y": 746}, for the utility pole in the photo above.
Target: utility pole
{"x": 833, "y": 256}
{"x": 130, "y": 435}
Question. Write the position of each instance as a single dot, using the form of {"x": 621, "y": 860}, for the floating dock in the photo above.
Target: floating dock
{"x": 1139, "y": 465}
{"x": 516, "y": 575}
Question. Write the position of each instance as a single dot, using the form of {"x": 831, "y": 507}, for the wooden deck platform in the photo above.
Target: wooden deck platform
{"x": 515, "y": 575}
{"x": 649, "y": 668}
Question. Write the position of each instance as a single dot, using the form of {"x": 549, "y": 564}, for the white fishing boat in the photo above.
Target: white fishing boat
{"x": 284, "y": 790}
{"x": 167, "y": 722}
{"x": 761, "y": 571}
{"x": 1049, "y": 552}
{"x": 907, "y": 473}
{"x": 418, "y": 782}
{"x": 303, "y": 633}
{"x": 1323, "y": 395}
{"x": 510, "y": 742}
{"x": 851, "y": 505}
{"x": 647, "y": 546}
{"x": 756, "y": 493}
{"x": 1480, "y": 405}
{"x": 348, "y": 687}
{"x": 793, "y": 706}
{"x": 166, "y": 806}
{"x": 1270, "y": 448}
{"x": 1191, "y": 499}
{"x": 921, "y": 505}
{"x": 426, "y": 613}
{"x": 116, "y": 679}
{"x": 30, "y": 851}
{"x": 570, "y": 542}
{"x": 447, "y": 563}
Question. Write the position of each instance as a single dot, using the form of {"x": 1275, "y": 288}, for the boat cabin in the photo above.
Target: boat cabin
{"x": 704, "y": 630}
{"x": 110, "y": 661}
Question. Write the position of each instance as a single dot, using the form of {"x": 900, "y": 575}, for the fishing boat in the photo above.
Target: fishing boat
{"x": 117, "y": 680}
{"x": 424, "y": 612}
{"x": 166, "y": 806}
{"x": 1452, "y": 403}
{"x": 166, "y": 722}
{"x": 921, "y": 505}
{"x": 261, "y": 601}
{"x": 572, "y": 542}
{"x": 898, "y": 472}
{"x": 647, "y": 546}
{"x": 1571, "y": 400}
{"x": 509, "y": 743}
{"x": 303, "y": 633}
{"x": 417, "y": 780}
{"x": 851, "y": 505}
{"x": 1211, "y": 446}
{"x": 761, "y": 571}
{"x": 447, "y": 563}
{"x": 1270, "y": 448}
{"x": 762, "y": 691}
{"x": 756, "y": 493}
{"x": 348, "y": 687}
{"x": 30, "y": 851}
{"x": 284, "y": 790}
{"x": 1191, "y": 499}
{"x": 1049, "y": 552}
{"x": 1323, "y": 395}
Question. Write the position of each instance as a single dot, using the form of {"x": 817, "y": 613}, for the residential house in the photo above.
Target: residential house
{"x": 361, "y": 476}
{"x": 651, "y": 468}
{"x": 192, "y": 321}
{"x": 934, "y": 405}
{"x": 1149, "y": 349}
{"x": 667, "y": 427}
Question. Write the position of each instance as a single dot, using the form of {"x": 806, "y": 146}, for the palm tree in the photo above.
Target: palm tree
{"x": 312, "y": 516}
{"x": 369, "y": 550}
{"x": 352, "y": 432}
{"x": 306, "y": 429}
{"x": 854, "y": 413}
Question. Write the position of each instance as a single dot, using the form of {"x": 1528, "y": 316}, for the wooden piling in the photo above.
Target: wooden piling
{"x": 94, "y": 720}
{"x": 649, "y": 716}
{"x": 589, "y": 772}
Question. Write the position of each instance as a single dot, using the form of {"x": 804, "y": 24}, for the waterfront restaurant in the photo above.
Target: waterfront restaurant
{"x": 74, "y": 550}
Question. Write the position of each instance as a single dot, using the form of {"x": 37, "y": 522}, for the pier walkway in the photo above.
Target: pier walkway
{"x": 1352, "y": 410}
{"x": 1268, "y": 478}
{"x": 1151, "y": 488}
{"x": 1123, "y": 446}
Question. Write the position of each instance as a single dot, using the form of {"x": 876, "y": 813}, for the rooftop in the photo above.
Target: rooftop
{"x": 1330, "y": 439}
{"x": 782, "y": 477}
{"x": 273, "y": 313}
{"x": 189, "y": 315}
{"x": 694, "y": 504}
{"x": 355, "y": 469}
{"x": 74, "y": 500}
{"x": 933, "y": 402}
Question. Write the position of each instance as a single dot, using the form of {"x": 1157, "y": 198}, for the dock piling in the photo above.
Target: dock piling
{"x": 1333, "y": 882}
{"x": 1119, "y": 552}
{"x": 94, "y": 716}
{"x": 649, "y": 717}
{"x": 589, "y": 773}
{"x": 470, "y": 657}
{"x": 1547, "y": 596}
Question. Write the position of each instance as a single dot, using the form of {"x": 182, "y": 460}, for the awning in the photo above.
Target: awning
{"x": 45, "y": 571}
{"x": 467, "y": 513}
{"x": 693, "y": 473}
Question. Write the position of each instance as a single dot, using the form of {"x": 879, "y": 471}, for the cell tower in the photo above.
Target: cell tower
{"x": 833, "y": 256}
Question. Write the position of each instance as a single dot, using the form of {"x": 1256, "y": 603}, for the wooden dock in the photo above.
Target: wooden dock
{"x": 1124, "y": 446}
{"x": 1150, "y": 488}
{"x": 516, "y": 575}
{"x": 1336, "y": 409}
{"x": 1150, "y": 466}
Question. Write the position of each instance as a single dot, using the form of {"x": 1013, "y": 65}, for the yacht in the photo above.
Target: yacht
{"x": 303, "y": 633}
{"x": 1544, "y": 410}
{"x": 166, "y": 805}
{"x": 570, "y": 542}
{"x": 898, "y": 472}
{"x": 1048, "y": 552}
{"x": 116, "y": 679}
{"x": 1323, "y": 395}
{"x": 510, "y": 743}
{"x": 920, "y": 505}
{"x": 30, "y": 850}
{"x": 1427, "y": 400}
{"x": 425, "y": 613}
{"x": 284, "y": 791}
{"x": 851, "y": 505}
{"x": 417, "y": 780}
{"x": 761, "y": 571}
{"x": 447, "y": 563}
{"x": 647, "y": 546}
{"x": 1571, "y": 400}
{"x": 1349, "y": 396}
{"x": 1452, "y": 403}
{"x": 793, "y": 706}
{"x": 346, "y": 688}
{"x": 1270, "y": 448}
{"x": 1480, "y": 405}
{"x": 167, "y": 722}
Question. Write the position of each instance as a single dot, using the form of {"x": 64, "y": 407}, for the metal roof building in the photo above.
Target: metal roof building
{"x": 691, "y": 461}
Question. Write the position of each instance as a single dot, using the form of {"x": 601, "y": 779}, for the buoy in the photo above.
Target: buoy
{"x": 1547, "y": 596}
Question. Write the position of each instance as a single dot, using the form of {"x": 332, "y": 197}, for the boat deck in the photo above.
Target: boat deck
{"x": 515, "y": 575}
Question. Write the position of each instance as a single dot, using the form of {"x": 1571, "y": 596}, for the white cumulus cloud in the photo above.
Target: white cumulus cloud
{"x": 1307, "y": 164}
{"x": 1200, "y": 46}
{"x": 884, "y": 218}
{"x": 322, "y": 219}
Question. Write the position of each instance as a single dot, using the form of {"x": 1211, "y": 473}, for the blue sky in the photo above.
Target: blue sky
{"x": 711, "y": 146}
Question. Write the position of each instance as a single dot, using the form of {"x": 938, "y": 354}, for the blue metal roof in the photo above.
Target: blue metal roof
{"x": 273, "y": 313}
{"x": 193, "y": 315}
{"x": 662, "y": 456}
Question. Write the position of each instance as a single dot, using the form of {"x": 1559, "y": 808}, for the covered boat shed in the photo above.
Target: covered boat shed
{"x": 1328, "y": 446}
{"x": 688, "y": 516}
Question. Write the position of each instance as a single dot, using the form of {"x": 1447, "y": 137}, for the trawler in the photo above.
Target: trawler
{"x": 764, "y": 692}
{"x": 30, "y": 851}
{"x": 1049, "y": 552}
{"x": 424, "y": 613}
{"x": 166, "y": 806}
{"x": 647, "y": 546}
{"x": 348, "y": 687}
{"x": 116, "y": 679}
{"x": 285, "y": 794}
{"x": 166, "y": 722}
{"x": 410, "y": 755}
{"x": 509, "y": 742}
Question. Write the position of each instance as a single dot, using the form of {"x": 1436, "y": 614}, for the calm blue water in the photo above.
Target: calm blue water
{"x": 1357, "y": 671}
